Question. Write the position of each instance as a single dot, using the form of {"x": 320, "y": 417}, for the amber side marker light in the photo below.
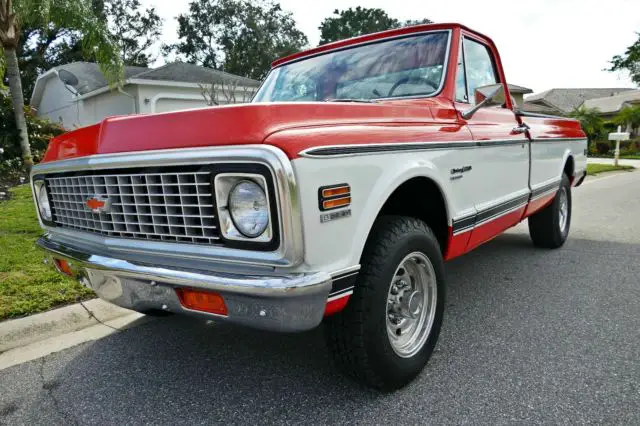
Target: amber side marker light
{"x": 333, "y": 204}
{"x": 63, "y": 266}
{"x": 203, "y": 301}
{"x": 334, "y": 196}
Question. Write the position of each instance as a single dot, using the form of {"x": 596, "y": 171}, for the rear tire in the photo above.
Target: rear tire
{"x": 549, "y": 228}
{"x": 388, "y": 330}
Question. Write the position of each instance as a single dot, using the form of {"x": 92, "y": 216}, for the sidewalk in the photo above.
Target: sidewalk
{"x": 622, "y": 162}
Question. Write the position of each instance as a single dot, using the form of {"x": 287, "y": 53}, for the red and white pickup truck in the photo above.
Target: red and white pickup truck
{"x": 334, "y": 197}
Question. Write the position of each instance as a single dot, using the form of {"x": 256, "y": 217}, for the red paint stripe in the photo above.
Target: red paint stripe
{"x": 336, "y": 305}
{"x": 539, "y": 204}
{"x": 457, "y": 245}
{"x": 492, "y": 229}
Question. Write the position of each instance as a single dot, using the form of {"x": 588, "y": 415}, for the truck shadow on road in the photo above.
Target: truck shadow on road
{"x": 501, "y": 296}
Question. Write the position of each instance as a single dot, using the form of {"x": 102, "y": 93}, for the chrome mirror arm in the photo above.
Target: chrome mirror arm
{"x": 469, "y": 113}
{"x": 494, "y": 97}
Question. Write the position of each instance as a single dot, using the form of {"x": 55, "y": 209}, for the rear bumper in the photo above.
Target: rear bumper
{"x": 286, "y": 303}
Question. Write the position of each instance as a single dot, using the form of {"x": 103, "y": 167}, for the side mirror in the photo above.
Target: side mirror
{"x": 486, "y": 96}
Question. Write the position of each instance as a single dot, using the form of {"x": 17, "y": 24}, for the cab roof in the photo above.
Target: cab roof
{"x": 373, "y": 37}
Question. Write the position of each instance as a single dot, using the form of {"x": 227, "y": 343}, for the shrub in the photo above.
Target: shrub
{"x": 602, "y": 148}
{"x": 40, "y": 133}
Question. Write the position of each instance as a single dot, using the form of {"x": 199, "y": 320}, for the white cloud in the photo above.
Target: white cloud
{"x": 543, "y": 43}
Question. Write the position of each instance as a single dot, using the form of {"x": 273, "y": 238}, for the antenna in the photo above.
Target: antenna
{"x": 69, "y": 80}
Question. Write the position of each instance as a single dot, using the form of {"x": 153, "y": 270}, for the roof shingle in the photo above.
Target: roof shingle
{"x": 566, "y": 100}
{"x": 90, "y": 77}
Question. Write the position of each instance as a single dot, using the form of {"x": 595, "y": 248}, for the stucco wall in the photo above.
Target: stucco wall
{"x": 108, "y": 104}
{"x": 163, "y": 98}
{"x": 58, "y": 105}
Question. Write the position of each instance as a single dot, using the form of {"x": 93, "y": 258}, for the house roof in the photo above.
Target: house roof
{"x": 91, "y": 79}
{"x": 537, "y": 108}
{"x": 190, "y": 73}
{"x": 514, "y": 88}
{"x": 566, "y": 100}
{"x": 613, "y": 104}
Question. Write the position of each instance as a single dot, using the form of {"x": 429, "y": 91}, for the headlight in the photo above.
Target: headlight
{"x": 42, "y": 198}
{"x": 245, "y": 209}
{"x": 249, "y": 208}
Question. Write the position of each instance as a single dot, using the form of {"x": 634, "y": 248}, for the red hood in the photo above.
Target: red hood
{"x": 226, "y": 125}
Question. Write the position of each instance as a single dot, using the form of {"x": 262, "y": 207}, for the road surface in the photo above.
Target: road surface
{"x": 529, "y": 336}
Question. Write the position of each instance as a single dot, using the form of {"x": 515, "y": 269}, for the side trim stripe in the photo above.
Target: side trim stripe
{"x": 367, "y": 149}
{"x": 340, "y": 294}
{"x": 542, "y": 190}
{"x": 469, "y": 222}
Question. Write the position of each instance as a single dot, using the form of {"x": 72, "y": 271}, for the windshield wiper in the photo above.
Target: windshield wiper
{"x": 365, "y": 101}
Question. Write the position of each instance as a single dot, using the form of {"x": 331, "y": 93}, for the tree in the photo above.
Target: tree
{"x": 630, "y": 61}
{"x": 133, "y": 30}
{"x": 628, "y": 117}
{"x": 231, "y": 89}
{"x": 43, "y": 14}
{"x": 240, "y": 36}
{"x": 361, "y": 20}
{"x": 590, "y": 120}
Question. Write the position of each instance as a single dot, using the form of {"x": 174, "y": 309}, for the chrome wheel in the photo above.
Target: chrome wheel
{"x": 563, "y": 211}
{"x": 411, "y": 304}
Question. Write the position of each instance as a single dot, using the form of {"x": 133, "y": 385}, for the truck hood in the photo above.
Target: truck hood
{"x": 225, "y": 125}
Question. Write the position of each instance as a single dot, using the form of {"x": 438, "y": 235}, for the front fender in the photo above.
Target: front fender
{"x": 339, "y": 243}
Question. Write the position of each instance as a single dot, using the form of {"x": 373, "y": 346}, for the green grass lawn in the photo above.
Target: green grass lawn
{"x": 594, "y": 169}
{"x": 27, "y": 285}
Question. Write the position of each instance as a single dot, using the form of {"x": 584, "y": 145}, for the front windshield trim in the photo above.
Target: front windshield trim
{"x": 365, "y": 43}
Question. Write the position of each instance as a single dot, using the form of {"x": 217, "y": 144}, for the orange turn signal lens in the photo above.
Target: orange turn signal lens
{"x": 204, "y": 301}
{"x": 332, "y": 192}
{"x": 334, "y": 196}
{"x": 63, "y": 266}
{"x": 338, "y": 202}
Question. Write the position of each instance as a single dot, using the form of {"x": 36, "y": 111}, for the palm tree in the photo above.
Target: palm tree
{"x": 628, "y": 117}
{"x": 590, "y": 120}
{"x": 72, "y": 14}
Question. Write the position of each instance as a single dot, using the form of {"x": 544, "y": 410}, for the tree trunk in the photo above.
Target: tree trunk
{"x": 15, "y": 88}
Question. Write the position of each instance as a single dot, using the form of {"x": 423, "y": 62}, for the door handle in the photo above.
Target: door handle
{"x": 522, "y": 128}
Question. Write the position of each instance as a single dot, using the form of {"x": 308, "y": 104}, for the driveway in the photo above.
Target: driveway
{"x": 530, "y": 336}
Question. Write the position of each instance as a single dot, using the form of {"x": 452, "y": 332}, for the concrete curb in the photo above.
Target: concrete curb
{"x": 49, "y": 345}
{"x": 24, "y": 331}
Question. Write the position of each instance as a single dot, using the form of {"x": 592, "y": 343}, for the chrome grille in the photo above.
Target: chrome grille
{"x": 174, "y": 207}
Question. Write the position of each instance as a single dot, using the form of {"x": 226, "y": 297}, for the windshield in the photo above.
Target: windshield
{"x": 409, "y": 66}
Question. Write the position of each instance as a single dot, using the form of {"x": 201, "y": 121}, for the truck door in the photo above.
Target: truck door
{"x": 500, "y": 167}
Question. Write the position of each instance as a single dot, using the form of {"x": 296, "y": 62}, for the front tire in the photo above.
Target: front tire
{"x": 387, "y": 332}
{"x": 549, "y": 228}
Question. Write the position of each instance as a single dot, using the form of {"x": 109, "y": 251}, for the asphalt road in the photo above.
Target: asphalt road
{"x": 530, "y": 336}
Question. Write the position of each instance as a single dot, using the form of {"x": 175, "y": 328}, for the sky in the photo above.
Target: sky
{"x": 543, "y": 44}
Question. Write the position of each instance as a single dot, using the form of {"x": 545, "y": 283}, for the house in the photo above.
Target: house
{"x": 518, "y": 93}
{"x": 609, "y": 106}
{"x": 563, "y": 101}
{"x": 86, "y": 98}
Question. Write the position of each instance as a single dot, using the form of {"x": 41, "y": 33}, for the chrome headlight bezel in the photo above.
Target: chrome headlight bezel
{"x": 224, "y": 184}
{"x": 42, "y": 201}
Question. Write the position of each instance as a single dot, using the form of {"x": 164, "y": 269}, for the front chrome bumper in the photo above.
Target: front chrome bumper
{"x": 286, "y": 303}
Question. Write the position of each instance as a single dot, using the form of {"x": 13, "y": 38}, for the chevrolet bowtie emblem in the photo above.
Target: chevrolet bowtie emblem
{"x": 98, "y": 204}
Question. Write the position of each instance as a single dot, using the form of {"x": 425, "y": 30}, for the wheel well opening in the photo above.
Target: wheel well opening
{"x": 569, "y": 168}
{"x": 422, "y": 199}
